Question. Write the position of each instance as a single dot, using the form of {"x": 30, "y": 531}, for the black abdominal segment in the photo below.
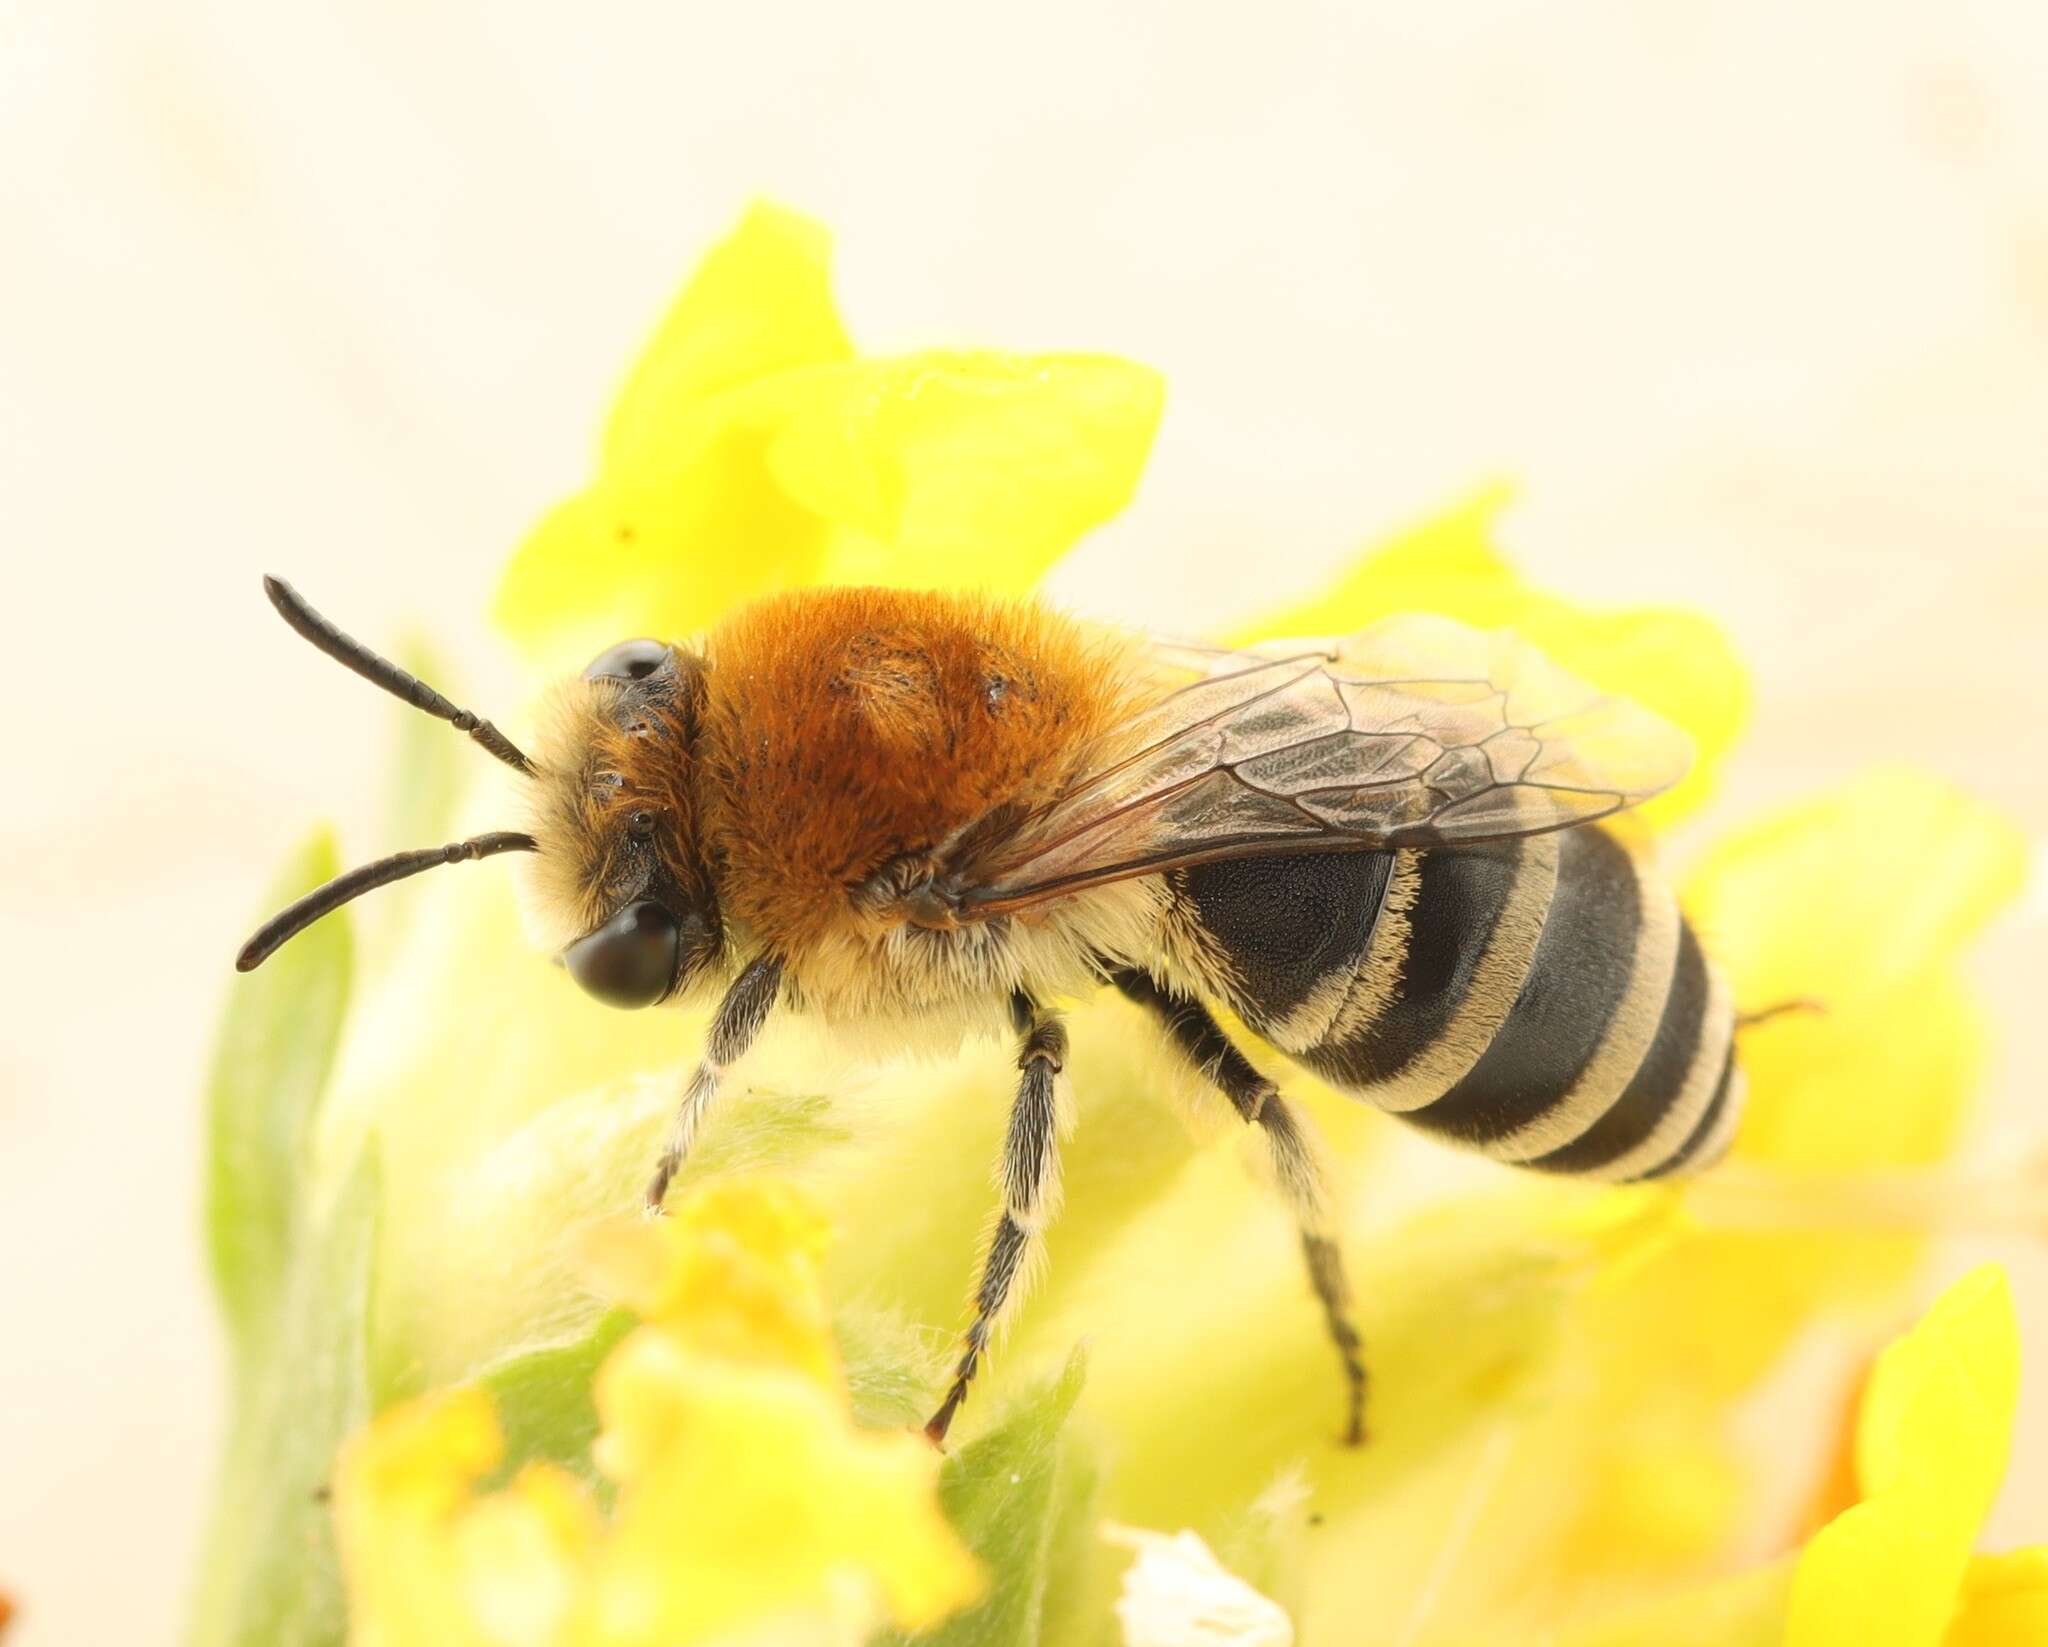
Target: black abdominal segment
{"x": 1539, "y": 1000}
{"x": 1583, "y": 963}
{"x": 1459, "y": 900}
{"x": 1289, "y": 923}
{"x": 1656, "y": 1080}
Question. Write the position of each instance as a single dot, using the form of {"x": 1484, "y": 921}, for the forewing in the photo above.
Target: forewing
{"x": 1416, "y": 732}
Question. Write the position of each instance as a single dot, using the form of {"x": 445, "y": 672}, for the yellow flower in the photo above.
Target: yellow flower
{"x": 1659, "y": 1350}
{"x": 1894, "y": 1570}
{"x": 748, "y": 1497}
{"x": 1878, "y": 1074}
{"x": 732, "y": 1272}
{"x": 2004, "y": 1601}
{"x": 749, "y": 1506}
{"x": 1930, "y": 1452}
{"x": 752, "y": 451}
{"x": 429, "y": 1561}
{"x": 1677, "y": 663}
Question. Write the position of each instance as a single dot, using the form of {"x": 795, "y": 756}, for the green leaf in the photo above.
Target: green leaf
{"x": 890, "y": 1367}
{"x": 1081, "y": 1568}
{"x": 269, "y": 1576}
{"x": 276, "y": 1046}
{"x": 1017, "y": 1494}
{"x": 544, "y": 1398}
{"x": 545, "y": 1405}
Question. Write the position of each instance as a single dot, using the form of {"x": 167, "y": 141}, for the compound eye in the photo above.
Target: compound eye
{"x": 631, "y": 960}
{"x": 632, "y": 660}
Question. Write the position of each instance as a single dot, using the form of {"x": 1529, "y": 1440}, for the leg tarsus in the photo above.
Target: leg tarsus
{"x": 970, "y": 1360}
{"x": 1029, "y": 1176}
{"x": 1326, "y": 1275}
{"x": 1297, "y": 1165}
{"x": 738, "y": 1019}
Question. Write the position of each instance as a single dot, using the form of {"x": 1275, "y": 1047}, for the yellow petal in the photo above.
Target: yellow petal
{"x": 759, "y": 303}
{"x": 749, "y": 453}
{"x": 1746, "y": 1610}
{"x": 665, "y": 552}
{"x": 1676, "y": 663}
{"x": 400, "y": 1489}
{"x": 750, "y": 1507}
{"x": 1863, "y": 899}
{"x": 972, "y": 470}
{"x": 733, "y": 1272}
{"x": 421, "y": 1457}
{"x": 682, "y": 519}
{"x": 1860, "y": 902}
{"x": 747, "y": 1494}
{"x": 1850, "y": 896}
{"x": 1931, "y": 1450}
{"x": 1659, "y": 1489}
{"x": 520, "y": 1557}
{"x": 2005, "y": 1602}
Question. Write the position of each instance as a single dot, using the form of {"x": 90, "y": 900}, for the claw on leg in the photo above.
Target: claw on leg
{"x": 1326, "y": 1275}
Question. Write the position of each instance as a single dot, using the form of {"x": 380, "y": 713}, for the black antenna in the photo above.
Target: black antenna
{"x": 291, "y": 921}
{"x": 351, "y": 653}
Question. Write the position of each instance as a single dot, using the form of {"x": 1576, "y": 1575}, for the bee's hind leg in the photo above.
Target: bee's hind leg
{"x": 1030, "y": 1182}
{"x": 1297, "y": 1165}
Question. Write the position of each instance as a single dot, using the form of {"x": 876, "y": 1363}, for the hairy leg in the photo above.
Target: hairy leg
{"x": 1297, "y": 1164}
{"x": 1030, "y": 1179}
{"x": 734, "y": 1025}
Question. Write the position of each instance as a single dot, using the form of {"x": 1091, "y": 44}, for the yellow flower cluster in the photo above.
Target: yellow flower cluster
{"x": 1894, "y": 1570}
{"x": 1587, "y": 1454}
{"x": 1677, "y": 663}
{"x": 751, "y": 450}
{"x": 749, "y": 1507}
{"x": 1556, "y": 1370}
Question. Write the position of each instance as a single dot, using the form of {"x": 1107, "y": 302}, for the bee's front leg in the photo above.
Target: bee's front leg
{"x": 740, "y": 1015}
{"x": 1030, "y": 1180}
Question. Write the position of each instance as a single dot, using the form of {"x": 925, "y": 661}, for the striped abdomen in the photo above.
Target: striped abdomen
{"x": 1540, "y": 1000}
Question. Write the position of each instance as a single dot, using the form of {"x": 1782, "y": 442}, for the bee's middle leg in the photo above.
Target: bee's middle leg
{"x": 1030, "y": 1185}
{"x": 1297, "y": 1165}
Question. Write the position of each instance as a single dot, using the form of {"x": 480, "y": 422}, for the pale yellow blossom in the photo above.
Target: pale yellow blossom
{"x": 749, "y": 1505}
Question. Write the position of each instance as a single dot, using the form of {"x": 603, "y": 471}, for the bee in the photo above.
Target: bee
{"x": 1384, "y": 854}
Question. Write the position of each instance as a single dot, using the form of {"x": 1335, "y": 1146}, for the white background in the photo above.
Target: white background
{"x": 1752, "y": 297}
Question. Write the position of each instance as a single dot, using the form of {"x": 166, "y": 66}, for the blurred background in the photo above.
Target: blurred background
{"x": 1751, "y": 299}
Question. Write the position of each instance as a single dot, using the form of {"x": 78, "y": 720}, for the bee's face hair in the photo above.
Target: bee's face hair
{"x": 614, "y": 819}
{"x": 380, "y": 671}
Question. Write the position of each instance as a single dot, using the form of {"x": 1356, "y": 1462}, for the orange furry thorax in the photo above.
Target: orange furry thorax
{"x": 843, "y": 728}
{"x": 814, "y": 738}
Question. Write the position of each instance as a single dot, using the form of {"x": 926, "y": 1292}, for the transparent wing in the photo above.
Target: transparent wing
{"x": 1416, "y": 732}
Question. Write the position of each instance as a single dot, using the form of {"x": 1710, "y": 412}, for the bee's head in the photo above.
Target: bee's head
{"x": 623, "y": 892}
